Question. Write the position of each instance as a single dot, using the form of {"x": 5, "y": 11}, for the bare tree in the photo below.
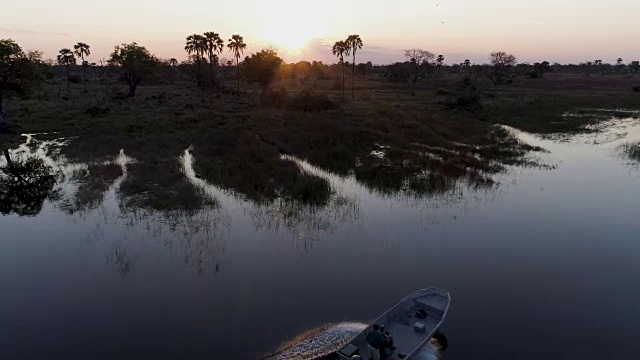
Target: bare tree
{"x": 420, "y": 61}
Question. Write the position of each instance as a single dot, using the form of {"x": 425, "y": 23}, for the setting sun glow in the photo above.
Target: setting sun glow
{"x": 291, "y": 24}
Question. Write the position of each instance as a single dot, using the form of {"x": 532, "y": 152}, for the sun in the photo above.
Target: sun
{"x": 289, "y": 24}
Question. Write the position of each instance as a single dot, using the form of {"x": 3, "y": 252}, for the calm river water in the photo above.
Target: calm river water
{"x": 544, "y": 265}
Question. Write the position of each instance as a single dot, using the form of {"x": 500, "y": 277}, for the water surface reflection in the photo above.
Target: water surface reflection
{"x": 145, "y": 254}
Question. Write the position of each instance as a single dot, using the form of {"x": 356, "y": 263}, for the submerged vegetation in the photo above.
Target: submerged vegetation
{"x": 632, "y": 151}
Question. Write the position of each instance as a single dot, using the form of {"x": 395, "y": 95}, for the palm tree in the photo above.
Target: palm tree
{"x": 353, "y": 43}
{"x": 214, "y": 45}
{"x": 237, "y": 46}
{"x": 66, "y": 58}
{"x": 81, "y": 50}
{"x": 340, "y": 49}
{"x": 196, "y": 44}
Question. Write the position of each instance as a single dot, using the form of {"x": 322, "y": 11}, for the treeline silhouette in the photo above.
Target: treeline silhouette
{"x": 134, "y": 64}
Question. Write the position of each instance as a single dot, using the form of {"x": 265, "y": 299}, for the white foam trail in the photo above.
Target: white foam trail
{"x": 322, "y": 343}
{"x": 332, "y": 338}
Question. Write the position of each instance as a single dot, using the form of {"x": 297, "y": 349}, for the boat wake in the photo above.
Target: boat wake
{"x": 320, "y": 342}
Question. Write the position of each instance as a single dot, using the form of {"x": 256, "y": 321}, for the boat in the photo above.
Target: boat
{"x": 411, "y": 323}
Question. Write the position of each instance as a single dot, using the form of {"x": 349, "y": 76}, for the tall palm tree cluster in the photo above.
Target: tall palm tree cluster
{"x": 208, "y": 46}
{"x": 347, "y": 47}
{"x": 67, "y": 57}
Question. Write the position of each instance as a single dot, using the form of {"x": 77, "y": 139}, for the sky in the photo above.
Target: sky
{"x": 565, "y": 31}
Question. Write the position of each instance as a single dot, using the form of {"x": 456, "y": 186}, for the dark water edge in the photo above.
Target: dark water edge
{"x": 111, "y": 272}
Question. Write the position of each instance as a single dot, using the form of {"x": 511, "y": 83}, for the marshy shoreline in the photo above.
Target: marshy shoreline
{"x": 388, "y": 140}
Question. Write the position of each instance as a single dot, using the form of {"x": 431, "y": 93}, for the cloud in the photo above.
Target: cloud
{"x": 32, "y": 32}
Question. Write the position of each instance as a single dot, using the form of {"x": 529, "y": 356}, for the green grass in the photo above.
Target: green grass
{"x": 160, "y": 186}
{"x": 237, "y": 144}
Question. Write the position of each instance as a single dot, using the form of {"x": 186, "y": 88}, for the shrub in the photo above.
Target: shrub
{"x": 309, "y": 101}
{"x": 75, "y": 79}
{"x": 635, "y": 89}
{"x": 94, "y": 111}
{"x": 158, "y": 99}
{"x": 274, "y": 98}
{"x": 117, "y": 95}
{"x": 305, "y": 101}
{"x": 466, "y": 97}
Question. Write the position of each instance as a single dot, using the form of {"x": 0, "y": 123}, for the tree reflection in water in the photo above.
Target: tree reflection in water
{"x": 25, "y": 185}
{"x": 121, "y": 258}
{"x": 92, "y": 184}
{"x": 196, "y": 239}
{"x": 306, "y": 222}
{"x": 162, "y": 201}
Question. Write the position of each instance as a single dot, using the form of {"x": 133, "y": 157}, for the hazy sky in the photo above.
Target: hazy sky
{"x": 553, "y": 30}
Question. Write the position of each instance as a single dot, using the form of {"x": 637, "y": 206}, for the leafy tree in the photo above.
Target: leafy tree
{"x": 262, "y": 67}
{"x": 318, "y": 69}
{"x": 398, "y": 72}
{"x": 538, "y": 69}
{"x": 136, "y": 62}
{"x": 420, "y": 61}
{"x": 467, "y": 66}
{"x": 81, "y": 50}
{"x": 302, "y": 70}
{"x": 236, "y": 45}
{"x": 354, "y": 43}
{"x": 215, "y": 45}
{"x": 635, "y": 66}
{"x": 439, "y": 63}
{"x": 586, "y": 66}
{"x": 19, "y": 73}
{"x": 66, "y": 58}
{"x": 339, "y": 49}
{"x": 619, "y": 65}
{"x": 173, "y": 62}
{"x": 362, "y": 69}
{"x": 502, "y": 64}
